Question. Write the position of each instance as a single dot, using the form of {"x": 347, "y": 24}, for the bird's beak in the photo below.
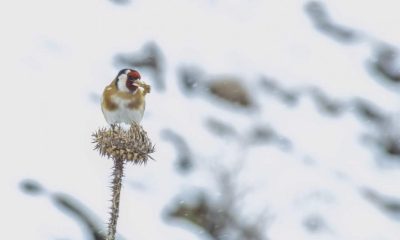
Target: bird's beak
{"x": 139, "y": 84}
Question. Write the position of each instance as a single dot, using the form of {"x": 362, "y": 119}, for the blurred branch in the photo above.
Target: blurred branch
{"x": 70, "y": 206}
{"x": 226, "y": 89}
{"x": 369, "y": 112}
{"x": 387, "y": 63}
{"x": 191, "y": 79}
{"x": 288, "y": 96}
{"x": 121, "y": 2}
{"x": 256, "y": 135}
{"x": 219, "y": 217}
{"x": 387, "y": 204}
{"x": 149, "y": 58}
{"x": 323, "y": 23}
{"x": 291, "y": 96}
{"x": 184, "y": 162}
{"x": 325, "y": 103}
{"x": 230, "y": 90}
{"x": 315, "y": 223}
{"x": 386, "y": 58}
{"x": 221, "y": 129}
{"x": 383, "y": 125}
{"x": 265, "y": 134}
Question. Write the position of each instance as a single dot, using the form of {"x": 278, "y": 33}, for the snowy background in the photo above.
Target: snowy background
{"x": 271, "y": 119}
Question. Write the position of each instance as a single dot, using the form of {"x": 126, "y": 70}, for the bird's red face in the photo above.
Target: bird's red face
{"x": 133, "y": 77}
{"x": 127, "y": 80}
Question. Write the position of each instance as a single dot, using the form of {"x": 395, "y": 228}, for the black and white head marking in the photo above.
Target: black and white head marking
{"x": 126, "y": 79}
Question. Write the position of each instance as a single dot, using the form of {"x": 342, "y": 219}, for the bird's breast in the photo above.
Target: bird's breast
{"x": 126, "y": 111}
{"x": 122, "y": 107}
{"x": 134, "y": 103}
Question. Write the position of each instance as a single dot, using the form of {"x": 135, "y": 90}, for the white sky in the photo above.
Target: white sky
{"x": 54, "y": 54}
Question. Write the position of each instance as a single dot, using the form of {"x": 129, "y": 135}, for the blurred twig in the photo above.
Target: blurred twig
{"x": 185, "y": 161}
{"x": 191, "y": 79}
{"x": 385, "y": 58}
{"x": 286, "y": 95}
{"x": 387, "y": 63}
{"x": 382, "y": 124}
{"x": 121, "y": 2}
{"x": 149, "y": 58}
{"x": 220, "y": 128}
{"x": 68, "y": 205}
{"x": 387, "y": 204}
{"x": 220, "y": 217}
{"x": 323, "y": 22}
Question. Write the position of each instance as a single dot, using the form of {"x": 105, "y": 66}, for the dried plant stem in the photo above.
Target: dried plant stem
{"x": 118, "y": 173}
{"x": 121, "y": 146}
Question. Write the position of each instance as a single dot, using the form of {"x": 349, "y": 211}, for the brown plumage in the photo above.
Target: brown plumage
{"x": 124, "y": 105}
{"x": 135, "y": 99}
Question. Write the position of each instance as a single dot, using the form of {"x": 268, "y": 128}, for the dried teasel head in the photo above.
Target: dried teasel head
{"x": 131, "y": 145}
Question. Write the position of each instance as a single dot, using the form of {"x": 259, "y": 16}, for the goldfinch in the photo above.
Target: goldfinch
{"x": 123, "y": 101}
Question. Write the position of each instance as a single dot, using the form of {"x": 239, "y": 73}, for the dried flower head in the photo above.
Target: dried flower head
{"x": 131, "y": 145}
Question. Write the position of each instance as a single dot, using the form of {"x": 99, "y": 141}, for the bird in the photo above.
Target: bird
{"x": 123, "y": 100}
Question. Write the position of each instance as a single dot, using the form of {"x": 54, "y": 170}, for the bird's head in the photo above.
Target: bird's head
{"x": 128, "y": 80}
